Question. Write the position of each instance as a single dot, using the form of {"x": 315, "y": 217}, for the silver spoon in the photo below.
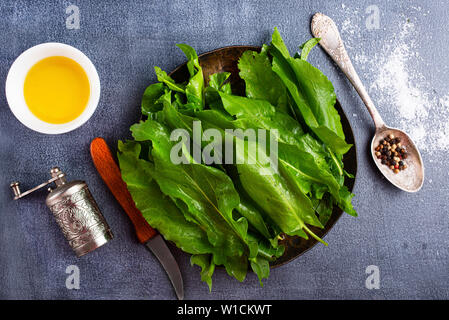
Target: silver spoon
{"x": 411, "y": 179}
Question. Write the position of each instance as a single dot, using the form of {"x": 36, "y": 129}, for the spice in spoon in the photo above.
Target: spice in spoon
{"x": 391, "y": 153}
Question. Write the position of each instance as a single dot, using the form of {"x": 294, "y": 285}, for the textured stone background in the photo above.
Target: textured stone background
{"x": 406, "y": 235}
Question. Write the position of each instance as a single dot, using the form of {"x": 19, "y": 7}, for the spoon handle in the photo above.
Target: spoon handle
{"x": 324, "y": 27}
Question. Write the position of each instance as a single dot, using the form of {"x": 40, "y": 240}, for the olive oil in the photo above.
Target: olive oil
{"x": 56, "y": 89}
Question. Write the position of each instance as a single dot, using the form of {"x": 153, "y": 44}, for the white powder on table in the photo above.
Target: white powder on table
{"x": 398, "y": 84}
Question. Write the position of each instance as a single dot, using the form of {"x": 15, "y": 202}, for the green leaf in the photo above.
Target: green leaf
{"x": 278, "y": 43}
{"x": 279, "y": 197}
{"x": 150, "y": 98}
{"x": 193, "y": 63}
{"x": 158, "y": 209}
{"x": 206, "y": 265}
{"x": 345, "y": 201}
{"x": 163, "y": 77}
{"x": 324, "y": 209}
{"x": 312, "y": 93}
{"x": 254, "y": 217}
{"x": 302, "y": 155}
{"x": 207, "y": 192}
{"x": 217, "y": 83}
{"x": 260, "y": 80}
{"x": 273, "y": 191}
{"x": 252, "y": 113}
{"x": 307, "y": 46}
{"x": 261, "y": 267}
{"x": 195, "y": 87}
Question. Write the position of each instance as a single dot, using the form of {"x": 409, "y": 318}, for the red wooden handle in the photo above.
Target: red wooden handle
{"x": 110, "y": 173}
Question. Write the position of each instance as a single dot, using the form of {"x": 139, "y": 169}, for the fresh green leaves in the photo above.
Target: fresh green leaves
{"x": 195, "y": 87}
{"x": 231, "y": 214}
{"x": 312, "y": 93}
{"x": 261, "y": 82}
{"x": 150, "y": 99}
{"x": 157, "y": 208}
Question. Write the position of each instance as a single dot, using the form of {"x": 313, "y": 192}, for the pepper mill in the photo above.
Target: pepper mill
{"x": 75, "y": 211}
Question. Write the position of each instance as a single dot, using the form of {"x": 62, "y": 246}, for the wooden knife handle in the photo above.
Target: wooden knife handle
{"x": 110, "y": 173}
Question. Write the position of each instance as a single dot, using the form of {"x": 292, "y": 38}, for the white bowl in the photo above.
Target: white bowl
{"x": 16, "y": 79}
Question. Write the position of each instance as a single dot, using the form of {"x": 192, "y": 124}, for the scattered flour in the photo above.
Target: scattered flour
{"x": 443, "y": 136}
{"x": 398, "y": 84}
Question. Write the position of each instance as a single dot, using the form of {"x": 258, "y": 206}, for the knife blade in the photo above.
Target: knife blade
{"x": 110, "y": 173}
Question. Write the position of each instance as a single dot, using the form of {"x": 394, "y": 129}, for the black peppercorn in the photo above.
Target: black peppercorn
{"x": 391, "y": 153}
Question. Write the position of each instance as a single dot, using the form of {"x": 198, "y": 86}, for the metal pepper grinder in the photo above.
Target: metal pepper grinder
{"x": 75, "y": 210}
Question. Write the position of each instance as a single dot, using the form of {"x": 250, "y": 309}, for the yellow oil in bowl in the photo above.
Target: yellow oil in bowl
{"x": 56, "y": 89}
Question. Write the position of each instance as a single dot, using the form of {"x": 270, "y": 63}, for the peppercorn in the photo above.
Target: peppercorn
{"x": 391, "y": 153}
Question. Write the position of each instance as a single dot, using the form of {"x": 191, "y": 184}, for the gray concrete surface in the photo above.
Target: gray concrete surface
{"x": 405, "y": 235}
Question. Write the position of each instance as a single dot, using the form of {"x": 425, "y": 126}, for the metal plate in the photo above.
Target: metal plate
{"x": 225, "y": 60}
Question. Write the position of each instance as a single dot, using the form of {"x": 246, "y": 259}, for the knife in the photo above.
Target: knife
{"x": 110, "y": 173}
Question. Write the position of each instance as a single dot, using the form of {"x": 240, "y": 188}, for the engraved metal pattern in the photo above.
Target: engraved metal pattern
{"x": 79, "y": 218}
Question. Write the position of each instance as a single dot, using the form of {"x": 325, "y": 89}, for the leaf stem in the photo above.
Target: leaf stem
{"x": 340, "y": 169}
{"x": 315, "y": 236}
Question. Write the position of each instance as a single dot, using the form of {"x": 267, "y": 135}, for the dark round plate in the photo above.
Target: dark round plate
{"x": 225, "y": 60}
